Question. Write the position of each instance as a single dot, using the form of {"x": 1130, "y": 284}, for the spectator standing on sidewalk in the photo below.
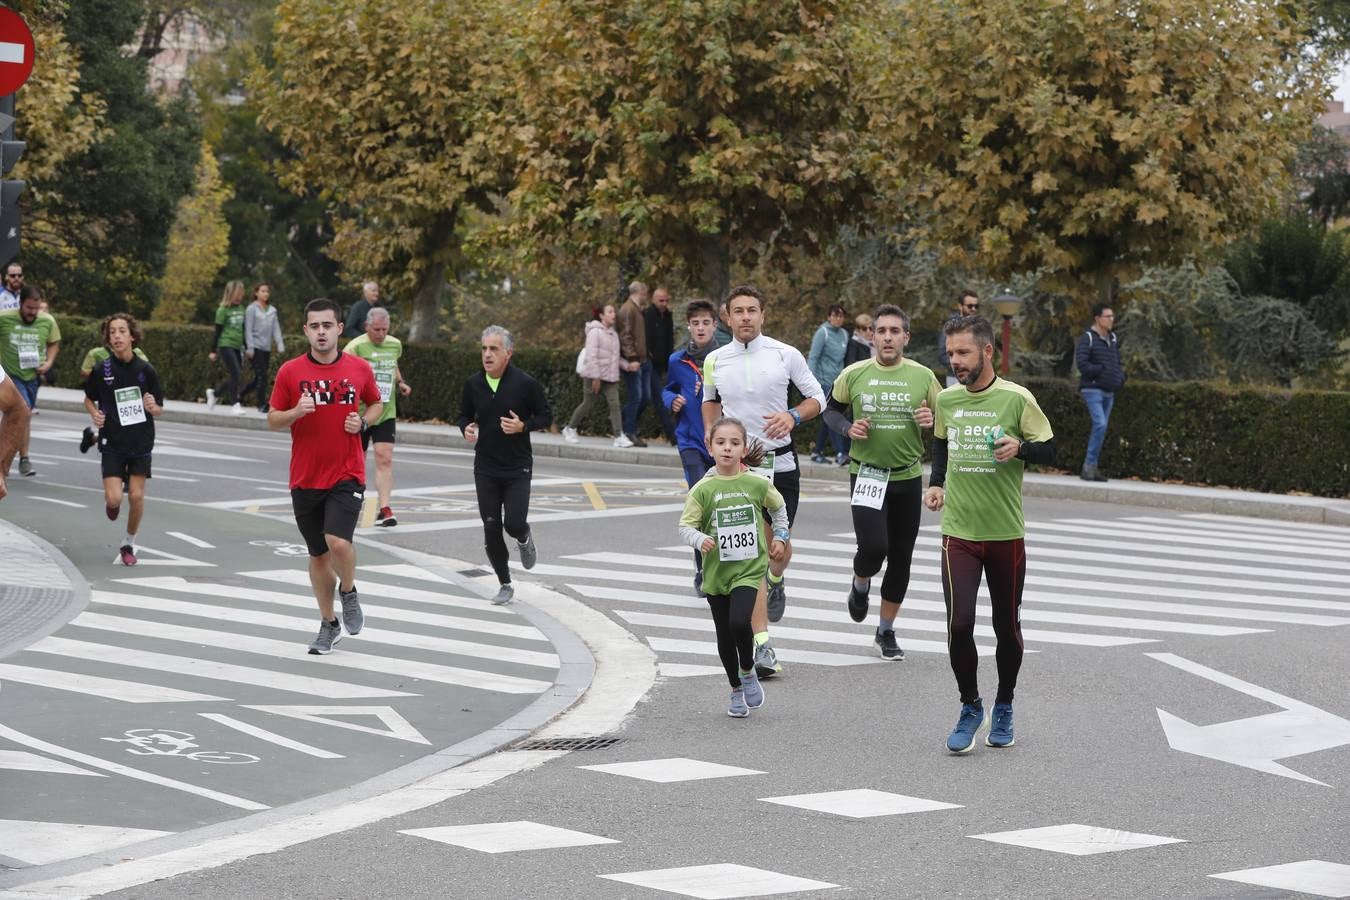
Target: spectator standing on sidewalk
{"x": 29, "y": 342}
{"x": 636, "y": 367}
{"x": 498, "y": 409}
{"x": 262, "y": 334}
{"x": 826, "y": 360}
{"x": 356, "y": 316}
{"x": 967, "y": 304}
{"x": 227, "y": 345}
{"x": 722, "y": 336}
{"x": 860, "y": 345}
{"x": 683, "y": 396}
{"x": 599, "y": 376}
{"x": 660, "y": 344}
{"x": 1100, "y": 375}
{"x": 9, "y": 293}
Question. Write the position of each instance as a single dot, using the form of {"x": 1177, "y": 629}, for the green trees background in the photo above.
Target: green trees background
{"x": 519, "y": 160}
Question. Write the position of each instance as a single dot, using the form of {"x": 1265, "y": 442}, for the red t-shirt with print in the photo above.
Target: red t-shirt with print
{"x": 322, "y": 452}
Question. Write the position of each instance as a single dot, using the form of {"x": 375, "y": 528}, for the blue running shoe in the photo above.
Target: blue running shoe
{"x": 1000, "y": 726}
{"x": 737, "y": 709}
{"x": 962, "y": 738}
{"x": 754, "y": 691}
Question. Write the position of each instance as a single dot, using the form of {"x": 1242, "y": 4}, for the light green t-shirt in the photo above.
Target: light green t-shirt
{"x": 983, "y": 499}
{"x": 99, "y": 354}
{"x": 383, "y": 359}
{"x": 727, "y": 507}
{"x": 492, "y": 382}
{"x": 232, "y": 318}
{"x": 887, "y": 397}
{"x": 23, "y": 347}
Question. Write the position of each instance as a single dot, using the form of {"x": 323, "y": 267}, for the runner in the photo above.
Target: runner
{"x": 989, "y": 429}
{"x": 498, "y": 409}
{"x": 29, "y": 342}
{"x": 91, "y": 359}
{"x": 316, "y": 397}
{"x": 748, "y": 379}
{"x": 382, "y": 351}
{"x": 882, "y": 404}
{"x": 13, "y": 422}
{"x": 123, "y": 397}
{"x": 684, "y": 386}
{"x": 722, "y": 520}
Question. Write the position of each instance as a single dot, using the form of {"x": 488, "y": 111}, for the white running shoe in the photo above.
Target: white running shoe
{"x": 237, "y": 410}
{"x": 210, "y": 398}
{"x": 570, "y": 435}
{"x": 622, "y": 441}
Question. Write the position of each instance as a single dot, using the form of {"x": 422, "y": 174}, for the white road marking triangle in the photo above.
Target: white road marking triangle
{"x": 164, "y": 558}
{"x": 395, "y": 725}
{"x": 24, "y": 761}
{"x": 40, "y": 843}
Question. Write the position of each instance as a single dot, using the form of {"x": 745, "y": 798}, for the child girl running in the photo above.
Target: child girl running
{"x": 722, "y": 520}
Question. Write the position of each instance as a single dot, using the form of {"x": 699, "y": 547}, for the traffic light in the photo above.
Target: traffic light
{"x": 10, "y": 151}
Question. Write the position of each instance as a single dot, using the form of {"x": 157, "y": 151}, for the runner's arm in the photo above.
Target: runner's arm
{"x": 52, "y": 349}
{"x": 837, "y": 415}
{"x": 938, "y": 478}
{"x": 215, "y": 338}
{"x": 13, "y": 420}
{"x": 467, "y": 414}
{"x": 778, "y": 517}
{"x": 153, "y": 388}
{"x": 1041, "y": 453}
{"x": 541, "y": 414}
{"x": 690, "y": 520}
{"x": 800, "y": 375}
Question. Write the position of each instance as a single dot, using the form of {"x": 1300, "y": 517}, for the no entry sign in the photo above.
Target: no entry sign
{"x": 16, "y": 52}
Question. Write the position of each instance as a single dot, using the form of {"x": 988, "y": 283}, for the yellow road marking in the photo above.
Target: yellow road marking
{"x": 591, "y": 491}
{"x": 251, "y": 509}
{"x": 368, "y": 510}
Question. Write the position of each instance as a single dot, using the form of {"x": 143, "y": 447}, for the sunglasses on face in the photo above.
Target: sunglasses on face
{"x": 970, "y": 306}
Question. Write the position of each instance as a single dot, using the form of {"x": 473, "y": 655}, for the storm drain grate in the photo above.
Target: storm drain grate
{"x": 591, "y": 743}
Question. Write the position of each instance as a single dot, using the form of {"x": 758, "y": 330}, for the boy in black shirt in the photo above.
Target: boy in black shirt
{"x": 123, "y": 396}
{"x": 499, "y": 408}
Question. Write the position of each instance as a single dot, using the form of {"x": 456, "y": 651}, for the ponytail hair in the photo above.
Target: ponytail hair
{"x": 754, "y": 448}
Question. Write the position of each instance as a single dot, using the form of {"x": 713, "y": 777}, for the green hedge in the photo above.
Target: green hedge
{"x": 1260, "y": 439}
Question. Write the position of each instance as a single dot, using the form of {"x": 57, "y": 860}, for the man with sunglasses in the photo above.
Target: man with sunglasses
{"x": 9, "y": 294}
{"x": 883, "y": 404}
{"x": 967, "y": 304}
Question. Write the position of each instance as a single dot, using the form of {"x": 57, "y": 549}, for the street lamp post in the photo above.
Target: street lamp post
{"x": 1007, "y": 304}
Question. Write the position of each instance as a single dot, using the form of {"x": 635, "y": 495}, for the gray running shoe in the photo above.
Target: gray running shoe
{"x": 352, "y": 617}
{"x": 25, "y": 467}
{"x": 766, "y": 661}
{"x": 737, "y": 708}
{"x": 505, "y": 594}
{"x": 777, "y": 599}
{"x": 529, "y": 553}
{"x": 754, "y": 691}
{"x": 329, "y": 634}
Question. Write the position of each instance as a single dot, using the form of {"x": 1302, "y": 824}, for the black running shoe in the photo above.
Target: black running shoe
{"x": 886, "y": 645}
{"x": 857, "y": 603}
{"x": 88, "y": 439}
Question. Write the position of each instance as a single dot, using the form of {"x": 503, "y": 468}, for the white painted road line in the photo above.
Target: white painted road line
{"x": 57, "y": 502}
{"x": 791, "y": 654}
{"x": 23, "y": 761}
{"x": 391, "y": 591}
{"x": 94, "y": 762}
{"x": 95, "y": 686}
{"x": 310, "y": 685}
{"x": 344, "y": 658}
{"x": 41, "y": 843}
{"x": 196, "y": 542}
{"x": 376, "y": 635}
{"x": 271, "y": 737}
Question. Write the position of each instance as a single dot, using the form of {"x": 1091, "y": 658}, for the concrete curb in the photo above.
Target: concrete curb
{"x": 1176, "y": 497}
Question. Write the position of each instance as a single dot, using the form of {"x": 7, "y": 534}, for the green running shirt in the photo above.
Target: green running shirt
{"x": 383, "y": 359}
{"x": 887, "y": 396}
{"x": 727, "y": 509}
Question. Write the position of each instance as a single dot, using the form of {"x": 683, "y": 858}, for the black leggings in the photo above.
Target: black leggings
{"x": 229, "y": 388}
{"x": 502, "y": 503}
{"x": 735, "y": 637}
{"x": 888, "y": 535}
{"x": 261, "y": 360}
{"x": 1004, "y": 565}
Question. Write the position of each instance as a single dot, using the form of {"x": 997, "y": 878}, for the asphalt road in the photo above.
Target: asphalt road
{"x": 1150, "y": 630}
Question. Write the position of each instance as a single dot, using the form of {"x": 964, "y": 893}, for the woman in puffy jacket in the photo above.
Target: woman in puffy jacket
{"x": 599, "y": 371}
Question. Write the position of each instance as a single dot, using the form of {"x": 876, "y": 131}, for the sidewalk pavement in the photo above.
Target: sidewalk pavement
{"x": 1178, "y": 497}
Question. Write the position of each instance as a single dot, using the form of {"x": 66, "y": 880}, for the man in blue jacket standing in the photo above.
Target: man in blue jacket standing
{"x": 1100, "y": 376}
{"x": 826, "y": 361}
{"x": 683, "y": 396}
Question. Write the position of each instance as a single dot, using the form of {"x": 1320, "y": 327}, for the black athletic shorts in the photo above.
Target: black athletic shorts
{"x": 334, "y": 511}
{"x": 382, "y": 433}
{"x": 789, "y": 484}
{"x": 124, "y": 465}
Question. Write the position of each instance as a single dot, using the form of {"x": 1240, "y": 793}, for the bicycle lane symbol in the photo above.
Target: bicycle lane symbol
{"x": 282, "y": 548}
{"x": 162, "y": 742}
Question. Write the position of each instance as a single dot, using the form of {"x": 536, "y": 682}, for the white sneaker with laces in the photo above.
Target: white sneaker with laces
{"x": 238, "y": 410}
{"x": 210, "y": 398}
{"x": 570, "y": 435}
{"x": 622, "y": 441}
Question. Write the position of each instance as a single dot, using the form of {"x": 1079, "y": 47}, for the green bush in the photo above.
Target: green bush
{"x": 1199, "y": 433}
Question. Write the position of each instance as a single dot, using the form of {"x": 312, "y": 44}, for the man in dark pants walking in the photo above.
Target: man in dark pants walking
{"x": 660, "y": 344}
{"x": 1100, "y": 375}
{"x": 499, "y": 408}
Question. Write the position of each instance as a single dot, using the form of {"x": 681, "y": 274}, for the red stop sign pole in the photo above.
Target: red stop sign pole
{"x": 16, "y": 52}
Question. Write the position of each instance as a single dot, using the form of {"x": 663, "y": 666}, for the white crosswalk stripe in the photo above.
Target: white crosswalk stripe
{"x": 1090, "y": 584}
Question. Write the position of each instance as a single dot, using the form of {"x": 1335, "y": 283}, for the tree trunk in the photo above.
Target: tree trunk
{"x": 714, "y": 268}
{"x": 1105, "y": 285}
{"x": 426, "y": 314}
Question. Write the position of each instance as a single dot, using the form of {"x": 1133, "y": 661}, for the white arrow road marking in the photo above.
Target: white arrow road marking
{"x": 12, "y": 53}
{"x": 164, "y": 558}
{"x": 1255, "y": 742}
{"x": 395, "y": 725}
{"x": 40, "y": 843}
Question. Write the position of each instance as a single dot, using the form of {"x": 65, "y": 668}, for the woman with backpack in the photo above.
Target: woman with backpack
{"x": 598, "y": 366}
